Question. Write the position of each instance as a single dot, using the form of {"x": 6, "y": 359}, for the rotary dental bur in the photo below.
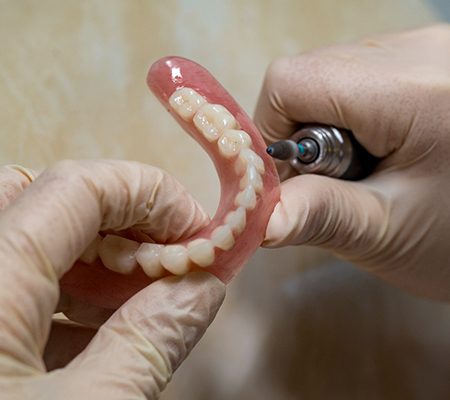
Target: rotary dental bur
{"x": 325, "y": 150}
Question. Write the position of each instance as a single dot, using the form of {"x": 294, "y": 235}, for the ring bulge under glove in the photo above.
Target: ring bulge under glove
{"x": 43, "y": 230}
{"x": 393, "y": 93}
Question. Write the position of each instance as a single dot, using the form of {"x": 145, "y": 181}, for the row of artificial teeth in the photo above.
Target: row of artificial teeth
{"x": 124, "y": 255}
{"x": 218, "y": 125}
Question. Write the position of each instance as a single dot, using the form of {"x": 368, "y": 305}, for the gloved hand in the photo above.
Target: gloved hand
{"x": 393, "y": 93}
{"x": 43, "y": 230}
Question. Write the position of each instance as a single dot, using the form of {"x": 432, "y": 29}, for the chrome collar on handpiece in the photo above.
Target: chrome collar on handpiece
{"x": 324, "y": 150}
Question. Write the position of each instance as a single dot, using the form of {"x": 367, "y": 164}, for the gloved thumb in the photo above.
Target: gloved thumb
{"x": 135, "y": 352}
{"x": 346, "y": 217}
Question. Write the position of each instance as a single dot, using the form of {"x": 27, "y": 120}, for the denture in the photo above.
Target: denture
{"x": 113, "y": 268}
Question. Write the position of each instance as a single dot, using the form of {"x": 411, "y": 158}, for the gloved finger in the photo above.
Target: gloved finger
{"x": 81, "y": 312}
{"x": 13, "y": 181}
{"x": 340, "y": 86}
{"x": 66, "y": 340}
{"x": 362, "y": 222}
{"x": 135, "y": 353}
{"x": 347, "y": 217}
{"x": 46, "y": 229}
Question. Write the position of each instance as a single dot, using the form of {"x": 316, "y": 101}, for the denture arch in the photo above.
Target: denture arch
{"x": 248, "y": 178}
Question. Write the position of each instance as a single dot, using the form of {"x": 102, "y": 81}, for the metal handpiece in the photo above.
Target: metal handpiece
{"x": 325, "y": 150}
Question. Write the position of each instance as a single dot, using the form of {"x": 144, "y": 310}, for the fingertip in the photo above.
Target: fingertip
{"x": 210, "y": 281}
{"x": 14, "y": 179}
{"x": 211, "y": 288}
{"x": 29, "y": 174}
{"x": 203, "y": 218}
{"x": 271, "y": 232}
{"x": 174, "y": 213}
{"x": 279, "y": 227}
{"x": 196, "y": 285}
{"x": 294, "y": 219}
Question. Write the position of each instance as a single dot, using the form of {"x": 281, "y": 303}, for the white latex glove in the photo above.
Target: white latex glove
{"x": 43, "y": 230}
{"x": 393, "y": 93}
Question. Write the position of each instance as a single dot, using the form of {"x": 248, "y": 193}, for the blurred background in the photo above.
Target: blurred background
{"x": 296, "y": 323}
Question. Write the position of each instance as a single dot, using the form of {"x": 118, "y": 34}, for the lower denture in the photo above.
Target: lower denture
{"x": 249, "y": 192}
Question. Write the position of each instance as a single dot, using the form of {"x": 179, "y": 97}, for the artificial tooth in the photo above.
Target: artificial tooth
{"x": 222, "y": 237}
{"x": 236, "y": 220}
{"x": 91, "y": 252}
{"x": 201, "y": 252}
{"x": 246, "y": 198}
{"x": 147, "y": 257}
{"x": 232, "y": 141}
{"x": 186, "y": 102}
{"x": 249, "y": 157}
{"x": 252, "y": 178}
{"x": 212, "y": 120}
{"x": 175, "y": 259}
{"x": 118, "y": 253}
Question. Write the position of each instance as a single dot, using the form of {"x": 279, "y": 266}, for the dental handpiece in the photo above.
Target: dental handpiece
{"x": 325, "y": 150}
